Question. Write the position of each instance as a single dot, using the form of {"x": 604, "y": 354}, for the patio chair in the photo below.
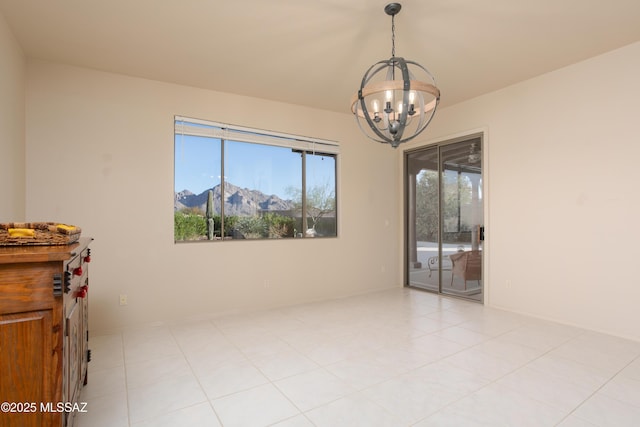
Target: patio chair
{"x": 433, "y": 264}
{"x": 467, "y": 265}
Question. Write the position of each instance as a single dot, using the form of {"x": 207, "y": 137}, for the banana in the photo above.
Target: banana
{"x": 22, "y": 232}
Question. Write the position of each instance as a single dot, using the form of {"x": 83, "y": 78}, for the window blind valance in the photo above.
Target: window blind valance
{"x": 209, "y": 129}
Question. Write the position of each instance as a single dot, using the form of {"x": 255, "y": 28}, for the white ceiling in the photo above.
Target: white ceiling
{"x": 315, "y": 52}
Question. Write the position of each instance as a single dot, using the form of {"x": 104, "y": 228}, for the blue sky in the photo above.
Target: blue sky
{"x": 268, "y": 169}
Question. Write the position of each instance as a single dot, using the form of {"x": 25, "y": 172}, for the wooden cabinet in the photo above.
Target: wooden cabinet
{"x": 43, "y": 333}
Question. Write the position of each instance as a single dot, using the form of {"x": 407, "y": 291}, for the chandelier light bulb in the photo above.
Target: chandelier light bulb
{"x": 375, "y": 106}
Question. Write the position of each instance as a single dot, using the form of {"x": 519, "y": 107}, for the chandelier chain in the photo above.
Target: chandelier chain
{"x": 393, "y": 36}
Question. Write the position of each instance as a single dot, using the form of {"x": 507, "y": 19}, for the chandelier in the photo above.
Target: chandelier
{"x": 397, "y": 97}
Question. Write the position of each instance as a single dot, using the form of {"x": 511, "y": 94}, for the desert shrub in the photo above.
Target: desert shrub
{"x": 189, "y": 226}
{"x": 251, "y": 227}
{"x": 278, "y": 226}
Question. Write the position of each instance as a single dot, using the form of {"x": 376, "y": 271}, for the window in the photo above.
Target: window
{"x": 237, "y": 183}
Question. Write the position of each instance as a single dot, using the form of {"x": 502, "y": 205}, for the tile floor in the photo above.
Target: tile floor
{"x": 395, "y": 358}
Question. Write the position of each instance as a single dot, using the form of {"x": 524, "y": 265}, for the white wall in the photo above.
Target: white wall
{"x": 562, "y": 199}
{"x": 12, "y": 126}
{"x": 100, "y": 155}
{"x": 563, "y": 225}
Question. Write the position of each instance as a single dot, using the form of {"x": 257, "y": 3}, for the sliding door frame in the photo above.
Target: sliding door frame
{"x": 410, "y": 214}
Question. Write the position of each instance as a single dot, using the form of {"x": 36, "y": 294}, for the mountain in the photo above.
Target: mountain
{"x": 237, "y": 201}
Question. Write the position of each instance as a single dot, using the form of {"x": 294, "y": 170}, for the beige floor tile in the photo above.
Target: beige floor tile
{"x": 394, "y": 358}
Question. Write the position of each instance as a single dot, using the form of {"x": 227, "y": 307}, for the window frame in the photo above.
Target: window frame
{"x": 226, "y": 133}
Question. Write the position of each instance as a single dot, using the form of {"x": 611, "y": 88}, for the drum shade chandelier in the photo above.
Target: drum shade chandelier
{"x": 397, "y": 97}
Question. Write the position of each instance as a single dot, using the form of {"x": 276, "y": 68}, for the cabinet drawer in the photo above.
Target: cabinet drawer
{"x": 27, "y": 286}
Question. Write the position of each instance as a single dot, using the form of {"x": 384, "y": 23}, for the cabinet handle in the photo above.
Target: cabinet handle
{"x": 67, "y": 282}
{"x": 82, "y": 292}
{"x": 57, "y": 285}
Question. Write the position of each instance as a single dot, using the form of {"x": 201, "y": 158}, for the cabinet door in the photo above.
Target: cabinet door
{"x": 25, "y": 366}
{"x": 74, "y": 344}
{"x": 84, "y": 355}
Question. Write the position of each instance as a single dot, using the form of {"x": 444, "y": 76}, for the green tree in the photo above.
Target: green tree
{"x": 456, "y": 192}
{"x": 321, "y": 200}
{"x": 427, "y": 206}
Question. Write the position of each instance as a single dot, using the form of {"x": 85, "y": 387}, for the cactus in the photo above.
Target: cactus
{"x": 210, "y": 223}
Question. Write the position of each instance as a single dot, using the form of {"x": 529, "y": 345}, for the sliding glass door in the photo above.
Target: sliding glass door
{"x": 444, "y": 218}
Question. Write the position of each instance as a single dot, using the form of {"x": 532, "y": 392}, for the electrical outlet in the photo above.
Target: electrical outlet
{"x": 123, "y": 300}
